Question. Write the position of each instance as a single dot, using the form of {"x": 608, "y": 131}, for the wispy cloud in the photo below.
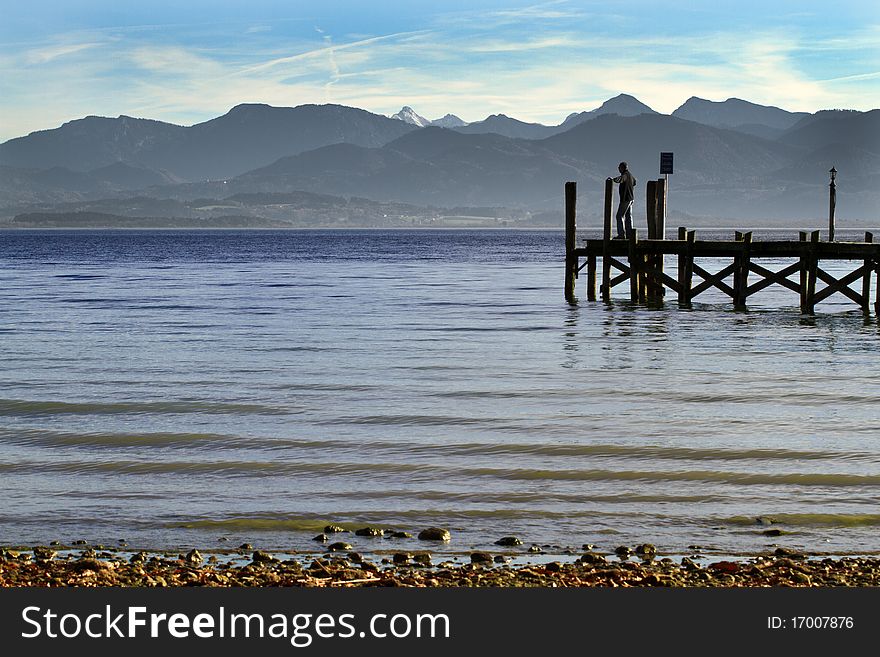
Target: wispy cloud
{"x": 854, "y": 78}
{"x": 324, "y": 51}
{"x": 556, "y": 10}
{"x": 47, "y": 54}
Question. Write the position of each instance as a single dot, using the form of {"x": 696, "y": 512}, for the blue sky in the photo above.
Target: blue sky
{"x": 186, "y": 62}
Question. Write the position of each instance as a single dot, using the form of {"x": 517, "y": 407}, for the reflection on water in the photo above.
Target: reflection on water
{"x": 177, "y": 388}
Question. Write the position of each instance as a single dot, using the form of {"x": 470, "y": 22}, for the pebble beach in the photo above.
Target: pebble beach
{"x": 340, "y": 567}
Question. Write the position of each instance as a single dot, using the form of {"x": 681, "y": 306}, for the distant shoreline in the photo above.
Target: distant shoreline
{"x": 6, "y": 227}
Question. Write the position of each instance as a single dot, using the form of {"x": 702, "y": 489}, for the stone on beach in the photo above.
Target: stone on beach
{"x": 194, "y": 558}
{"x": 42, "y": 553}
{"x": 423, "y": 558}
{"x": 371, "y": 532}
{"x": 508, "y": 541}
{"x": 435, "y": 534}
{"x": 263, "y": 557}
{"x": 646, "y": 550}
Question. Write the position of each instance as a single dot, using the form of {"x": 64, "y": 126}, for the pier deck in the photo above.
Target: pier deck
{"x": 641, "y": 262}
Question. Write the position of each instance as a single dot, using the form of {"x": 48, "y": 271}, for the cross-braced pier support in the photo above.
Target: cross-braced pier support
{"x": 641, "y": 264}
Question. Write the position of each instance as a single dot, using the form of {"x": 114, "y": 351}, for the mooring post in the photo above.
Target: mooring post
{"x": 802, "y": 236}
{"x": 688, "y": 277}
{"x": 591, "y": 277}
{"x": 651, "y": 216}
{"x": 571, "y": 259}
{"x": 741, "y": 271}
{"x": 643, "y": 277}
{"x": 660, "y": 221}
{"x": 737, "y": 261}
{"x": 877, "y": 288}
{"x": 633, "y": 266}
{"x": 651, "y": 208}
{"x": 832, "y": 201}
{"x": 660, "y": 231}
{"x": 682, "y": 236}
{"x": 813, "y": 265}
{"x": 606, "y": 241}
{"x": 866, "y": 279}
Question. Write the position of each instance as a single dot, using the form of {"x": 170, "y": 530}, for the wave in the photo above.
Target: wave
{"x": 713, "y": 476}
{"x": 239, "y": 468}
{"x": 381, "y": 518}
{"x": 810, "y": 520}
{"x": 24, "y": 407}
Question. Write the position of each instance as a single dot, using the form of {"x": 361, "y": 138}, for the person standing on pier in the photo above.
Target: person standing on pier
{"x": 626, "y": 182}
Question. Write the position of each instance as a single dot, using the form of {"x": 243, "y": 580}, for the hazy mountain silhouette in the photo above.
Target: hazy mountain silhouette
{"x": 449, "y": 121}
{"x": 60, "y": 184}
{"x": 760, "y": 120}
{"x": 501, "y": 124}
{"x": 93, "y": 142}
{"x": 622, "y": 104}
{"x": 703, "y": 155}
{"x": 122, "y": 176}
{"x": 342, "y": 151}
{"x": 434, "y": 166}
{"x": 848, "y": 128}
{"x": 446, "y": 167}
{"x": 246, "y": 137}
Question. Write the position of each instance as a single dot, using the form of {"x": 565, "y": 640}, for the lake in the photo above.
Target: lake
{"x": 207, "y": 388}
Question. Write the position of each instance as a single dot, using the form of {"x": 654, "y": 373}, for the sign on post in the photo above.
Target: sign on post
{"x": 665, "y": 163}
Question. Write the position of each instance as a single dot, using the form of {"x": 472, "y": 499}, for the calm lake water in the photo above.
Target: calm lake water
{"x": 181, "y": 388}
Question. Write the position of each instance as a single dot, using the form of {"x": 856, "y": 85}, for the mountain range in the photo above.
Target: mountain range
{"x": 733, "y": 160}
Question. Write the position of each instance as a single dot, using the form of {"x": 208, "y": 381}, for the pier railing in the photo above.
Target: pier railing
{"x": 641, "y": 262}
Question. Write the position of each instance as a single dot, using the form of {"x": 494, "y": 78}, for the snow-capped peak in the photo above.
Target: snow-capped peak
{"x": 408, "y": 115}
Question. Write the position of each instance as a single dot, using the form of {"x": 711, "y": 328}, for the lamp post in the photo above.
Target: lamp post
{"x": 832, "y": 201}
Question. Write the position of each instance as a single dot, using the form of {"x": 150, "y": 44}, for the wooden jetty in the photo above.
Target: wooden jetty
{"x": 640, "y": 262}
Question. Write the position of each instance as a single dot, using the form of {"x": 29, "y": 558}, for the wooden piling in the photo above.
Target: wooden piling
{"x": 802, "y": 236}
{"x": 877, "y": 289}
{"x": 606, "y": 238}
{"x": 866, "y": 278}
{"x": 591, "y": 277}
{"x": 741, "y": 271}
{"x": 812, "y": 266}
{"x": 571, "y": 258}
{"x": 651, "y": 218}
{"x": 682, "y": 236}
{"x": 687, "y": 270}
{"x": 651, "y": 208}
{"x": 634, "y": 287}
{"x": 660, "y": 232}
{"x": 737, "y": 237}
{"x": 660, "y": 221}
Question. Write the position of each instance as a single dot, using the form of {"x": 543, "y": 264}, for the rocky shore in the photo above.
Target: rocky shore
{"x": 47, "y": 566}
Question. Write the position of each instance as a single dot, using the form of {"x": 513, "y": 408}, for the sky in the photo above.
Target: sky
{"x": 187, "y": 62}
